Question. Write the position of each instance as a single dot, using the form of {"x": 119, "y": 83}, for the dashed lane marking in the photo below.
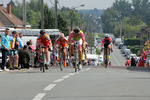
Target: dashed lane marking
{"x": 59, "y": 80}
{"x": 65, "y": 77}
{"x": 39, "y": 96}
{"x": 71, "y": 74}
{"x": 51, "y": 86}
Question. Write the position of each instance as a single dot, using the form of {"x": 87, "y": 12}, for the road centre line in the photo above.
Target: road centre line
{"x": 88, "y": 69}
{"x": 39, "y": 96}
{"x": 51, "y": 86}
{"x": 66, "y": 77}
{"x": 116, "y": 59}
{"x": 71, "y": 74}
{"x": 59, "y": 80}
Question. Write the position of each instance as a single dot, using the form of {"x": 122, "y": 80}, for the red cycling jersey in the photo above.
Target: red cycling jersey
{"x": 45, "y": 40}
{"x": 109, "y": 39}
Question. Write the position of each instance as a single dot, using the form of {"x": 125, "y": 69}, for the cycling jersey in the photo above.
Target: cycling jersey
{"x": 148, "y": 54}
{"x": 109, "y": 39}
{"x": 62, "y": 42}
{"x": 76, "y": 37}
{"x": 45, "y": 40}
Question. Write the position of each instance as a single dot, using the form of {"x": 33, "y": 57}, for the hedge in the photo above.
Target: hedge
{"x": 131, "y": 41}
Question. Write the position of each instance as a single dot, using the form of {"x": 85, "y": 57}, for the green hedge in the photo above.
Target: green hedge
{"x": 134, "y": 50}
{"x": 131, "y": 41}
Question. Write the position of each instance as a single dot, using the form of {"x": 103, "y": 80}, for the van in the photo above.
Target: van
{"x": 117, "y": 41}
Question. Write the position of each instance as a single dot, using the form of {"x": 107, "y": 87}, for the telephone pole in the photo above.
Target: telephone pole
{"x": 24, "y": 14}
{"x": 42, "y": 14}
{"x": 56, "y": 17}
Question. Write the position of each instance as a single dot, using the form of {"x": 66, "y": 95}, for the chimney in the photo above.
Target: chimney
{"x": 1, "y": 5}
{"x": 9, "y": 9}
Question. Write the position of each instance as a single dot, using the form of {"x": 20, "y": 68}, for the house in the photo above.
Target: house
{"x": 7, "y": 19}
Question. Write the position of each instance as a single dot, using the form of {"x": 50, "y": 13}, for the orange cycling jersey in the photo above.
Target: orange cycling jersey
{"x": 62, "y": 42}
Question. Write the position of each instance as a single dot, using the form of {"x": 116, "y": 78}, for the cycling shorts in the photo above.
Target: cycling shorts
{"x": 10, "y": 53}
{"x": 45, "y": 44}
{"x": 79, "y": 42}
{"x": 63, "y": 45}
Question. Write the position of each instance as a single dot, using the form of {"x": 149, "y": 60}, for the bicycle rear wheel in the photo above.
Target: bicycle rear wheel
{"x": 61, "y": 61}
{"x": 106, "y": 60}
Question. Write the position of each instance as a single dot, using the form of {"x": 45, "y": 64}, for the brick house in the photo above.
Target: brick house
{"x": 7, "y": 19}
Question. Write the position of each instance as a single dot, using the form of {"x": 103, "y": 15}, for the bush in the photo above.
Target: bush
{"x": 131, "y": 41}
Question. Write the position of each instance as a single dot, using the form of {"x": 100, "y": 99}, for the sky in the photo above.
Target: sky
{"x": 89, "y": 4}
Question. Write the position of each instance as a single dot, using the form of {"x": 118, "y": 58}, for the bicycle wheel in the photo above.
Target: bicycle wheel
{"x": 106, "y": 60}
{"x": 75, "y": 65}
{"x": 61, "y": 61}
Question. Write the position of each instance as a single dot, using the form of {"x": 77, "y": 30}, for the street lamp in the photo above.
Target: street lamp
{"x": 72, "y": 11}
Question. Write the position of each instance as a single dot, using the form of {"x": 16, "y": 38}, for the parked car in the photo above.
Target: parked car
{"x": 127, "y": 52}
{"x": 100, "y": 59}
{"x": 120, "y": 45}
{"x": 123, "y": 49}
{"x": 129, "y": 56}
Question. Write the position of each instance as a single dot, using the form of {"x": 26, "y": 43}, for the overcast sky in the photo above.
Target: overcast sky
{"x": 89, "y": 4}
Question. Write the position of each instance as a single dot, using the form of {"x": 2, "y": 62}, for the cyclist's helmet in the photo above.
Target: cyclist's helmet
{"x": 42, "y": 32}
{"x": 62, "y": 35}
{"x": 106, "y": 35}
{"x": 77, "y": 30}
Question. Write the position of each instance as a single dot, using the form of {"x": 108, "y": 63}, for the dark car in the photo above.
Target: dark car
{"x": 120, "y": 45}
{"x": 123, "y": 49}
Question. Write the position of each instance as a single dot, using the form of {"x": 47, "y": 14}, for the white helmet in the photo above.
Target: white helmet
{"x": 62, "y": 35}
{"x": 106, "y": 35}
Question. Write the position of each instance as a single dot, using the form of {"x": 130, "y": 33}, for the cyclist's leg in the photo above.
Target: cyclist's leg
{"x": 65, "y": 53}
{"x": 80, "y": 50}
{"x": 47, "y": 55}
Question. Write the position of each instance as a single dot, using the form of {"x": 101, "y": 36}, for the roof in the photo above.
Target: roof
{"x": 32, "y": 32}
{"x": 7, "y": 19}
{"x": 1, "y": 25}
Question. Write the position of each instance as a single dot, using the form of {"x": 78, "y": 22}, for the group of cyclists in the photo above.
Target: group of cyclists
{"x": 75, "y": 36}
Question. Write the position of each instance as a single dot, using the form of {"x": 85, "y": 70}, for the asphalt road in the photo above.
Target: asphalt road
{"x": 91, "y": 83}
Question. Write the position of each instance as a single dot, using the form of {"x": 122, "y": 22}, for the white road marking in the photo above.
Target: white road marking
{"x": 59, "y": 80}
{"x": 116, "y": 59}
{"x": 39, "y": 96}
{"x": 71, "y": 74}
{"x": 66, "y": 76}
{"x": 88, "y": 69}
{"x": 51, "y": 86}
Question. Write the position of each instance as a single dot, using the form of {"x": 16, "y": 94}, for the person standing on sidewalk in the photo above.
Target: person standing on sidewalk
{"x": 5, "y": 49}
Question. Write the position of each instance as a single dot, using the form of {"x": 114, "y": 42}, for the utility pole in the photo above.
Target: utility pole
{"x": 120, "y": 29}
{"x": 56, "y": 17}
{"x": 71, "y": 18}
{"x": 24, "y": 14}
{"x": 42, "y": 14}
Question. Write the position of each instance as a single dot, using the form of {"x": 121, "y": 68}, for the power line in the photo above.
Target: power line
{"x": 51, "y": 2}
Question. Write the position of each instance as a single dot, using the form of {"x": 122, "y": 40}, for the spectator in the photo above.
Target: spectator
{"x": 32, "y": 46}
{"x": 24, "y": 57}
{"x": 144, "y": 57}
{"x": 148, "y": 57}
{"x": 127, "y": 62}
{"x": 136, "y": 61}
{"x": 132, "y": 61}
{"x": 5, "y": 49}
{"x": 18, "y": 39}
{"x": 20, "y": 35}
{"x": 13, "y": 45}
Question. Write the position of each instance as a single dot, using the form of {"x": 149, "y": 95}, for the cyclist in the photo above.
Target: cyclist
{"x": 77, "y": 36}
{"x": 84, "y": 53}
{"x": 63, "y": 42}
{"x": 43, "y": 39}
{"x": 106, "y": 43}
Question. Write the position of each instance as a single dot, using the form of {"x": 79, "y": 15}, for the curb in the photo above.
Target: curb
{"x": 145, "y": 69}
